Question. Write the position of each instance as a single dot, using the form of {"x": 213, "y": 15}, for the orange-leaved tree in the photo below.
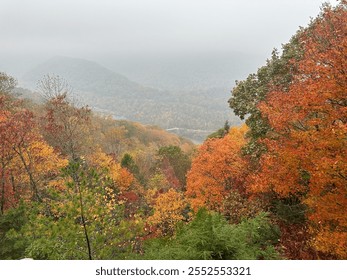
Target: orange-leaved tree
{"x": 307, "y": 147}
{"x": 218, "y": 168}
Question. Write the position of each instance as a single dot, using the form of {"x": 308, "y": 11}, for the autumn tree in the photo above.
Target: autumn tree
{"x": 7, "y": 136}
{"x": 24, "y": 157}
{"x": 146, "y": 160}
{"x": 307, "y": 147}
{"x": 157, "y": 184}
{"x": 36, "y": 165}
{"x": 115, "y": 139}
{"x": 27, "y": 162}
{"x": 6, "y": 152}
{"x": 130, "y": 193}
{"x": 247, "y": 94}
{"x": 110, "y": 135}
{"x": 218, "y": 168}
{"x": 168, "y": 211}
{"x": 65, "y": 126}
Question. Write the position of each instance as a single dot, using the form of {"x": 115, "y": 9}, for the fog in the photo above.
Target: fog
{"x": 132, "y": 36}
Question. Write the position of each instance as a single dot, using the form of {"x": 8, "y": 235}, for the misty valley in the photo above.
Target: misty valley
{"x": 185, "y": 157}
{"x": 191, "y": 113}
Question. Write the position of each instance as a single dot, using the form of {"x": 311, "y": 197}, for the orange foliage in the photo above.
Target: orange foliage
{"x": 124, "y": 179}
{"x": 307, "y": 151}
{"x": 218, "y": 168}
{"x": 121, "y": 176}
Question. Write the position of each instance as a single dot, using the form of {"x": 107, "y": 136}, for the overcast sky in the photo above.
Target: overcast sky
{"x": 90, "y": 28}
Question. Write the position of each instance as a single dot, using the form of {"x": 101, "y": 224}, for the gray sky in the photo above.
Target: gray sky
{"x": 90, "y": 28}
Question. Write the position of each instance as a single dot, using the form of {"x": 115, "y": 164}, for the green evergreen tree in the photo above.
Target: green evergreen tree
{"x": 12, "y": 242}
{"x": 210, "y": 237}
{"x": 129, "y": 163}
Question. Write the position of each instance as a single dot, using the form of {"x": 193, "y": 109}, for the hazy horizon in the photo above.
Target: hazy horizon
{"x": 134, "y": 37}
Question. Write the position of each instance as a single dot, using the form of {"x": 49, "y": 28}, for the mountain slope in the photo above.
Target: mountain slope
{"x": 114, "y": 94}
{"x": 84, "y": 76}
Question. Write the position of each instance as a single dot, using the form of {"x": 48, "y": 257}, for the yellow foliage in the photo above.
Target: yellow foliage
{"x": 44, "y": 159}
{"x": 168, "y": 210}
{"x": 41, "y": 161}
{"x": 101, "y": 161}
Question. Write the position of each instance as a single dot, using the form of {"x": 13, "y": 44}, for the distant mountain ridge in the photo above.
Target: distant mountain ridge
{"x": 114, "y": 94}
{"x": 83, "y": 75}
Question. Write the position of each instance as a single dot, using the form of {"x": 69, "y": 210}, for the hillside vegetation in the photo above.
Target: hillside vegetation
{"x": 78, "y": 185}
{"x": 113, "y": 94}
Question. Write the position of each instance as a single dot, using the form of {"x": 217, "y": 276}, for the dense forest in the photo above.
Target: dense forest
{"x": 192, "y": 113}
{"x": 75, "y": 184}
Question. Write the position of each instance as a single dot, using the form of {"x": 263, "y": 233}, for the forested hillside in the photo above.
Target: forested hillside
{"x": 105, "y": 91}
{"x": 78, "y": 185}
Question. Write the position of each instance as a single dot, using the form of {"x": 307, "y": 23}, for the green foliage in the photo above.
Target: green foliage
{"x": 129, "y": 163}
{"x": 290, "y": 210}
{"x": 246, "y": 95}
{"x": 82, "y": 221}
{"x": 220, "y": 133}
{"x": 210, "y": 237}
{"x": 12, "y": 242}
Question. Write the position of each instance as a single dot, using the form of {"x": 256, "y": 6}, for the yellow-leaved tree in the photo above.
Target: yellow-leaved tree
{"x": 168, "y": 211}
